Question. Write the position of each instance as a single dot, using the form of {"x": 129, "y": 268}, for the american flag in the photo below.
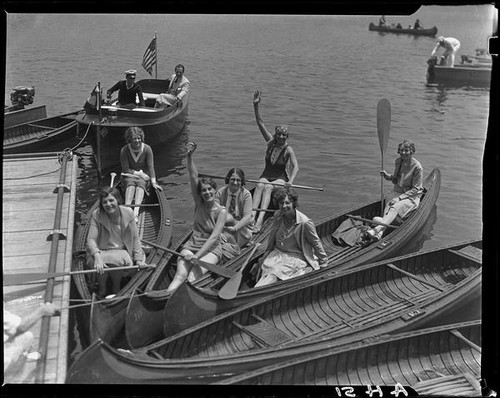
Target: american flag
{"x": 149, "y": 59}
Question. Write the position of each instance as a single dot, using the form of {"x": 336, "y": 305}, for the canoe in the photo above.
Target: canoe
{"x": 107, "y": 130}
{"x": 392, "y": 29}
{"x": 43, "y": 135}
{"x": 20, "y": 112}
{"x": 354, "y": 305}
{"x": 106, "y": 318}
{"x": 460, "y": 75}
{"x": 204, "y": 303}
{"x": 147, "y": 307}
{"x": 424, "y": 359}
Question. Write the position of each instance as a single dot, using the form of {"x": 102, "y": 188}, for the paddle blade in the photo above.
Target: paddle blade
{"x": 231, "y": 287}
{"x": 383, "y": 123}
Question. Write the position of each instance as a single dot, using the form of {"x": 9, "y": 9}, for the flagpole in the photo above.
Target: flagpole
{"x": 156, "y": 56}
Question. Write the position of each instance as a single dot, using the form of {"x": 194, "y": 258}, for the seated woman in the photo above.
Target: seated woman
{"x": 294, "y": 247}
{"x": 405, "y": 196}
{"x": 207, "y": 237}
{"x": 238, "y": 202}
{"x": 280, "y": 159}
{"x": 112, "y": 240}
{"x": 137, "y": 163}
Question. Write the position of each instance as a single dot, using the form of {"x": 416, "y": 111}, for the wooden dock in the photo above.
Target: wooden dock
{"x": 39, "y": 192}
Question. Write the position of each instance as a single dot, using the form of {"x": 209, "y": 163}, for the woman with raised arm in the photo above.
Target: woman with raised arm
{"x": 281, "y": 165}
{"x": 206, "y": 240}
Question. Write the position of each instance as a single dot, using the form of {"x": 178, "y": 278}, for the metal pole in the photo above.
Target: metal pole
{"x": 156, "y": 56}
{"x": 49, "y": 290}
{"x": 98, "y": 134}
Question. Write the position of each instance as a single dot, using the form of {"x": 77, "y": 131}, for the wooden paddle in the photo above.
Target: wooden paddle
{"x": 113, "y": 175}
{"x": 225, "y": 272}
{"x": 383, "y": 129}
{"x": 272, "y": 183}
{"x": 231, "y": 287}
{"x": 29, "y": 277}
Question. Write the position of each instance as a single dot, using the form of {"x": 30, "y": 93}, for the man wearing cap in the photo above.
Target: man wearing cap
{"x": 128, "y": 90}
{"x": 177, "y": 89}
{"x": 451, "y": 46}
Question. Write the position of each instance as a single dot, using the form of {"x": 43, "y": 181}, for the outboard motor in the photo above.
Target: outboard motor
{"x": 21, "y": 96}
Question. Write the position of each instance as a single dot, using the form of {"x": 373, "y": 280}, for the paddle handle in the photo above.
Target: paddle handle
{"x": 272, "y": 183}
{"x": 113, "y": 176}
{"x": 371, "y": 221}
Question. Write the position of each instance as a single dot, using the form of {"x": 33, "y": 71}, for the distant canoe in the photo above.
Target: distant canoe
{"x": 343, "y": 308}
{"x": 391, "y": 29}
{"x": 43, "y": 135}
{"x": 424, "y": 359}
{"x": 460, "y": 75}
{"x": 159, "y": 124}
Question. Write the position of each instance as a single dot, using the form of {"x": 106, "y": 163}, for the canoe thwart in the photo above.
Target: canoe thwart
{"x": 416, "y": 277}
{"x": 470, "y": 252}
{"x": 264, "y": 333}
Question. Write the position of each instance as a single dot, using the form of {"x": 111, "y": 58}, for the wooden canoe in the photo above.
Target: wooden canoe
{"x": 106, "y": 318}
{"x": 354, "y": 305}
{"x": 392, "y": 29}
{"x": 424, "y": 359}
{"x": 204, "y": 303}
{"x": 107, "y": 130}
{"x": 147, "y": 307}
{"x": 44, "y": 135}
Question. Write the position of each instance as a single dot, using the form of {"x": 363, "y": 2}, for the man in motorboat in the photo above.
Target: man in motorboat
{"x": 128, "y": 91}
{"x": 177, "y": 89}
{"x": 451, "y": 46}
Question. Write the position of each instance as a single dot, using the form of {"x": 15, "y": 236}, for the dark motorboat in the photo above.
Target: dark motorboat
{"x": 472, "y": 74}
{"x": 20, "y": 112}
{"x": 106, "y": 318}
{"x": 50, "y": 134}
{"x": 424, "y": 359}
{"x": 410, "y": 31}
{"x": 341, "y": 309}
{"x": 108, "y": 127}
{"x": 203, "y": 301}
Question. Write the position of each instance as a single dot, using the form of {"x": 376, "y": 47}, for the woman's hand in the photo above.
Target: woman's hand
{"x": 191, "y": 147}
{"x": 99, "y": 264}
{"x": 256, "y": 97}
{"x": 156, "y": 186}
{"x": 230, "y": 229}
{"x": 385, "y": 174}
{"x": 287, "y": 185}
{"x": 140, "y": 264}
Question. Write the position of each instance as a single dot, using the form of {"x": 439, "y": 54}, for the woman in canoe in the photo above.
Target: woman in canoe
{"x": 112, "y": 240}
{"x": 281, "y": 165}
{"x": 206, "y": 240}
{"x": 238, "y": 202}
{"x": 294, "y": 247}
{"x": 137, "y": 163}
{"x": 405, "y": 196}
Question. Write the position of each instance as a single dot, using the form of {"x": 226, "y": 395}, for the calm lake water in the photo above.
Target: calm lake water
{"x": 322, "y": 75}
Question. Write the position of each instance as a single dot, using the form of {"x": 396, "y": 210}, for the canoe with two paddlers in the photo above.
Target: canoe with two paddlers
{"x": 400, "y": 30}
{"x": 105, "y": 317}
{"x": 341, "y": 309}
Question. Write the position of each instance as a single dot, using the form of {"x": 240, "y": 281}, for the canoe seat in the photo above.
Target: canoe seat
{"x": 470, "y": 252}
{"x": 264, "y": 333}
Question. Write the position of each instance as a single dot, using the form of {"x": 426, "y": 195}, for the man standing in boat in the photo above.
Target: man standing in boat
{"x": 451, "y": 46}
{"x": 177, "y": 89}
{"x": 128, "y": 90}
